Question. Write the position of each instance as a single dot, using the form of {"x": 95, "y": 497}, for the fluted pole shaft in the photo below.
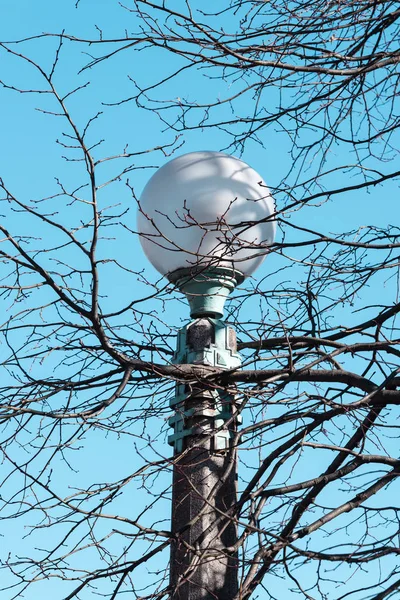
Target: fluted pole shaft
{"x": 203, "y": 564}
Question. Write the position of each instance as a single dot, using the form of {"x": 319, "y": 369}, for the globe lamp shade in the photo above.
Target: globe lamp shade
{"x": 204, "y": 210}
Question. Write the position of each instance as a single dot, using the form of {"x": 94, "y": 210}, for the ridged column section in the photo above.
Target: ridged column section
{"x": 204, "y": 477}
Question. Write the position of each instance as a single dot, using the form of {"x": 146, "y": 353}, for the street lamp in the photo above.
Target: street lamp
{"x": 205, "y": 221}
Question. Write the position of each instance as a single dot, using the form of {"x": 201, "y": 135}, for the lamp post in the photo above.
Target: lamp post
{"x": 205, "y": 220}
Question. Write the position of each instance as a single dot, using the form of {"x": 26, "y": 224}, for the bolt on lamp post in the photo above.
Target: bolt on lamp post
{"x": 205, "y": 220}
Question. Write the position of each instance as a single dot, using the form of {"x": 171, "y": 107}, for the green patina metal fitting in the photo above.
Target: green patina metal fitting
{"x": 220, "y": 350}
{"x": 210, "y": 342}
{"x": 207, "y": 340}
{"x": 206, "y": 288}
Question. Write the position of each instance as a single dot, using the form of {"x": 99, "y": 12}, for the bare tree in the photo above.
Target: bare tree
{"x": 88, "y": 337}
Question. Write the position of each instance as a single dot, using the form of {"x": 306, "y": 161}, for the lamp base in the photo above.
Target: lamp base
{"x": 206, "y": 289}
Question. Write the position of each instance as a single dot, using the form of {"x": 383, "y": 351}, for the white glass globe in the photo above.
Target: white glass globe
{"x": 206, "y": 209}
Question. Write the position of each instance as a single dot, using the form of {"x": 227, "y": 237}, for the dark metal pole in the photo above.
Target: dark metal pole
{"x": 204, "y": 478}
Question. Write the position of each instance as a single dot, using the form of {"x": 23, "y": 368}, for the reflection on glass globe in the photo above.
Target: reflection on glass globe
{"x": 206, "y": 209}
